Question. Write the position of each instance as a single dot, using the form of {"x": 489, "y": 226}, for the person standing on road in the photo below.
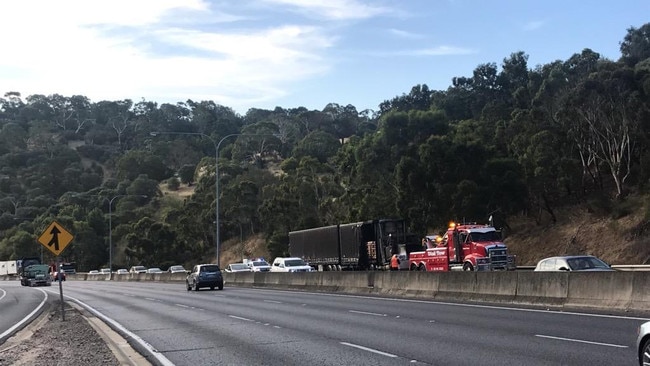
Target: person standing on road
{"x": 394, "y": 263}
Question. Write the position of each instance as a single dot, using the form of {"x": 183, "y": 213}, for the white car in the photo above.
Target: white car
{"x": 122, "y": 271}
{"x": 105, "y": 271}
{"x": 258, "y": 266}
{"x": 177, "y": 269}
{"x": 643, "y": 344}
{"x": 237, "y": 267}
{"x": 290, "y": 264}
{"x": 154, "y": 270}
{"x": 138, "y": 269}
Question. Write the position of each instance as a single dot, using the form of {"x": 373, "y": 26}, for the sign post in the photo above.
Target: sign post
{"x": 55, "y": 239}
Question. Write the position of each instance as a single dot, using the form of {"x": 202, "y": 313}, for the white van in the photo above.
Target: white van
{"x": 290, "y": 264}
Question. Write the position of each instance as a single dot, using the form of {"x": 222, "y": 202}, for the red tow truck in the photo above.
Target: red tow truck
{"x": 467, "y": 247}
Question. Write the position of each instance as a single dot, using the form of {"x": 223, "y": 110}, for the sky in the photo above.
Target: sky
{"x": 288, "y": 53}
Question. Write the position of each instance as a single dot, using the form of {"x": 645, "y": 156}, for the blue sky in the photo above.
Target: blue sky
{"x": 288, "y": 53}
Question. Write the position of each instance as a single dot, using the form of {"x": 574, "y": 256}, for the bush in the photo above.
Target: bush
{"x": 173, "y": 184}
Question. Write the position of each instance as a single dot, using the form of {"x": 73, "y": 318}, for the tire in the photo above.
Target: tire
{"x": 220, "y": 287}
{"x": 196, "y": 286}
{"x": 187, "y": 284}
{"x": 211, "y": 288}
{"x": 422, "y": 268}
{"x": 644, "y": 356}
{"x": 468, "y": 267}
{"x": 413, "y": 267}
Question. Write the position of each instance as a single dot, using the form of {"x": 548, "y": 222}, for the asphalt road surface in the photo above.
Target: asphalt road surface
{"x": 18, "y": 305}
{"x": 240, "y": 326}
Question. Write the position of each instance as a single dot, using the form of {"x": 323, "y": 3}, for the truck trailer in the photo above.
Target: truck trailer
{"x": 355, "y": 246}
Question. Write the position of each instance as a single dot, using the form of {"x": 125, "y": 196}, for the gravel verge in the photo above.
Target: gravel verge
{"x": 49, "y": 341}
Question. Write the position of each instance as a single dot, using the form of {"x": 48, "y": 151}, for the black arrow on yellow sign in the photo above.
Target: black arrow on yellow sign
{"x": 55, "y": 238}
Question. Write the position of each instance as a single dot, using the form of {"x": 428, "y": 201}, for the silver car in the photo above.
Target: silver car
{"x": 643, "y": 344}
{"x": 571, "y": 263}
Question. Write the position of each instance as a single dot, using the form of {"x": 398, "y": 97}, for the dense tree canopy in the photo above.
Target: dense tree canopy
{"x": 509, "y": 139}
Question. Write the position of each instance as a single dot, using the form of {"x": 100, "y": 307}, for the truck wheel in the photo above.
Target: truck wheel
{"x": 196, "y": 286}
{"x": 422, "y": 268}
{"x": 468, "y": 267}
{"x": 189, "y": 288}
{"x": 413, "y": 267}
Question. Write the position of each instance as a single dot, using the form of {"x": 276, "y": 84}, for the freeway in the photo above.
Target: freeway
{"x": 18, "y": 306}
{"x": 274, "y": 327}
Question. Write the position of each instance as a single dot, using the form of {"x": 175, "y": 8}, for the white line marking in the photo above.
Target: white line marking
{"x": 4, "y": 293}
{"x": 366, "y": 313}
{"x": 368, "y": 349}
{"x": 581, "y": 341}
{"x": 240, "y": 318}
{"x": 277, "y": 326}
{"x": 150, "y": 299}
{"x": 273, "y": 301}
{"x": 558, "y": 312}
{"x": 183, "y": 306}
{"x": 25, "y": 319}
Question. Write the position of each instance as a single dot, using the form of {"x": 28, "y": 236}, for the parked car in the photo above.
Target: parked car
{"x": 105, "y": 271}
{"x": 122, "y": 271}
{"x": 138, "y": 269}
{"x": 93, "y": 272}
{"x": 154, "y": 270}
{"x": 237, "y": 267}
{"x": 572, "y": 263}
{"x": 290, "y": 264}
{"x": 176, "y": 269}
{"x": 643, "y": 344}
{"x": 258, "y": 265}
{"x": 204, "y": 275}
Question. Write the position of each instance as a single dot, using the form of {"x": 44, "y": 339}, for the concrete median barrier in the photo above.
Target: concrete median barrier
{"x": 542, "y": 288}
{"x": 601, "y": 290}
{"x": 620, "y": 291}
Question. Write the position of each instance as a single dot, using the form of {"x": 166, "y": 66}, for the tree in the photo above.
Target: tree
{"x": 635, "y": 47}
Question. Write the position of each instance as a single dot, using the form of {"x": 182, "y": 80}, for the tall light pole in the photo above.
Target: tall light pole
{"x": 110, "y": 229}
{"x": 217, "y": 145}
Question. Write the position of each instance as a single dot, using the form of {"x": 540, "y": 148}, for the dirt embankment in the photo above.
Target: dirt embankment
{"x": 625, "y": 240}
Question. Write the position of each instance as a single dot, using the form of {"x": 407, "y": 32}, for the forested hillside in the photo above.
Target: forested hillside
{"x": 523, "y": 143}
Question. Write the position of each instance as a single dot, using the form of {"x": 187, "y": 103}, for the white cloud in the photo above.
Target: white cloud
{"x": 128, "y": 49}
{"x": 335, "y": 9}
{"x": 533, "y": 25}
{"x": 441, "y": 51}
{"x": 405, "y": 34}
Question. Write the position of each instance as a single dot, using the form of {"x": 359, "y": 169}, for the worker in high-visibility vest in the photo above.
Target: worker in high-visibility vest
{"x": 394, "y": 263}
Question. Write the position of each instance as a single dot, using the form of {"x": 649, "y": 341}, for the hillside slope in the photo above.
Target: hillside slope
{"x": 625, "y": 240}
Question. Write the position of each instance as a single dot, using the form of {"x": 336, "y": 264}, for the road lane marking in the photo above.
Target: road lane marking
{"x": 150, "y": 299}
{"x": 581, "y": 341}
{"x": 4, "y": 293}
{"x": 183, "y": 306}
{"x": 27, "y": 318}
{"x": 160, "y": 358}
{"x": 366, "y": 313}
{"x": 273, "y": 301}
{"x": 369, "y": 349}
{"x": 240, "y": 318}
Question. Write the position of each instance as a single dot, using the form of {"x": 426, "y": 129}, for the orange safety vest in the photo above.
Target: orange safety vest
{"x": 394, "y": 261}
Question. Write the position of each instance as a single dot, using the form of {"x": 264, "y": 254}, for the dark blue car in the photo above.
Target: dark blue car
{"x": 204, "y": 275}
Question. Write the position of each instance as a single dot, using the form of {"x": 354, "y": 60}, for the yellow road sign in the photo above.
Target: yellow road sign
{"x": 55, "y": 238}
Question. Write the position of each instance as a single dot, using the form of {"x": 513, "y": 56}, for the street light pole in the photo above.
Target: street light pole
{"x": 217, "y": 145}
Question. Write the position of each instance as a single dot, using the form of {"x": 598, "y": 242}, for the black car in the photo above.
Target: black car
{"x": 204, "y": 275}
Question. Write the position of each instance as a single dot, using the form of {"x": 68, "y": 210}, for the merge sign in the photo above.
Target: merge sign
{"x": 55, "y": 238}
